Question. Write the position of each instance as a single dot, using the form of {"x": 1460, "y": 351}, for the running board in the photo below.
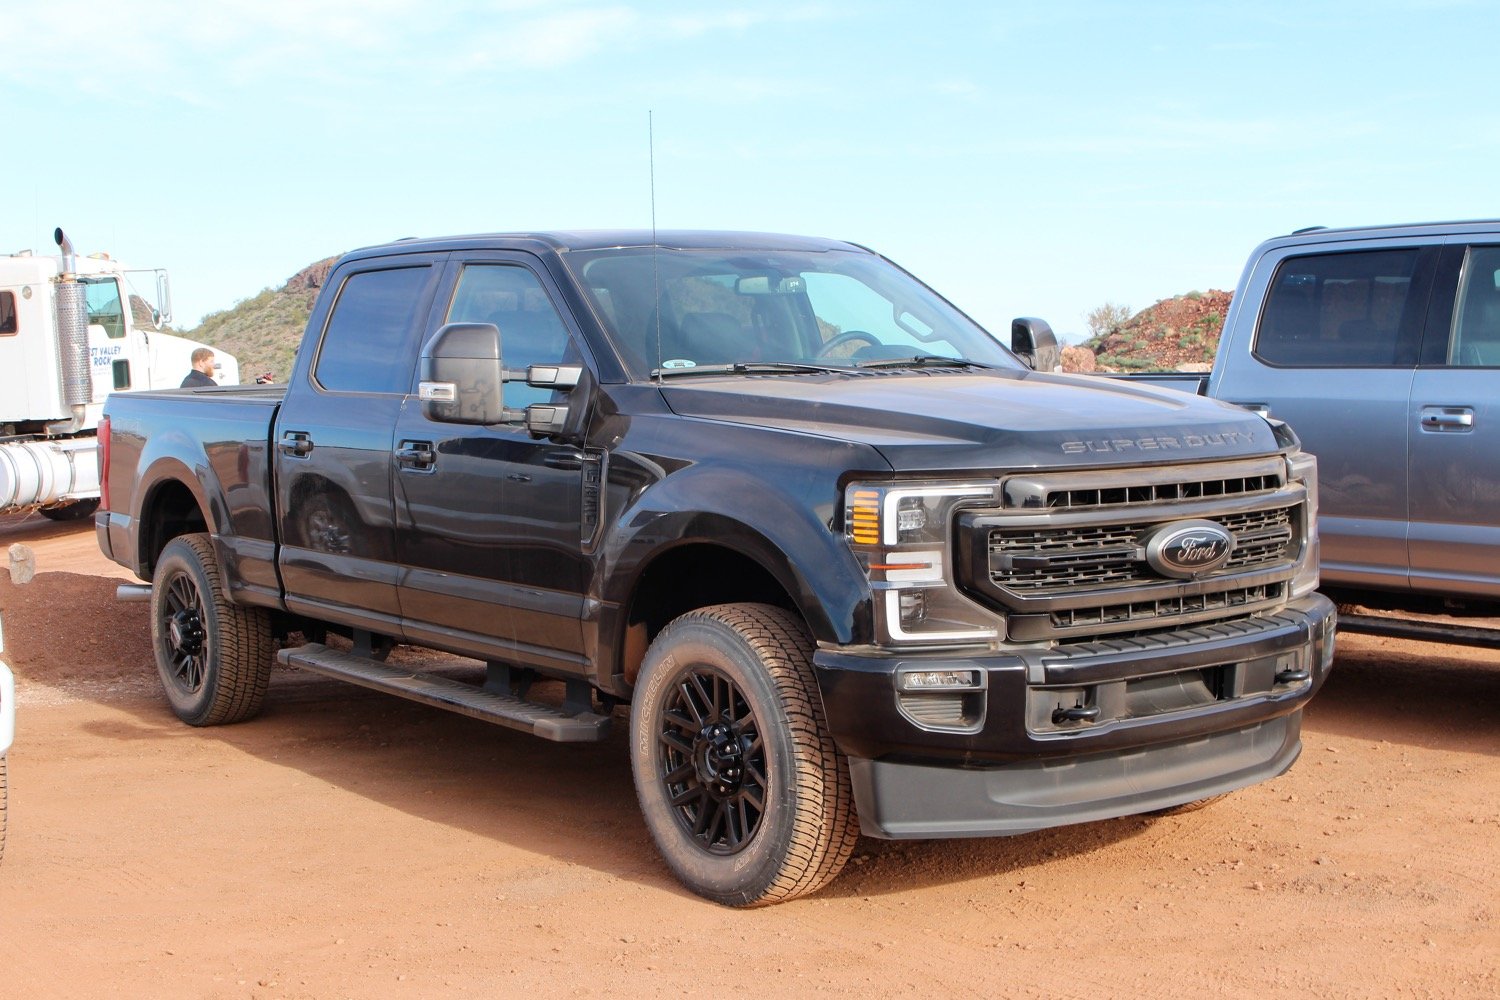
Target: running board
{"x": 455, "y": 696}
{"x": 1426, "y": 631}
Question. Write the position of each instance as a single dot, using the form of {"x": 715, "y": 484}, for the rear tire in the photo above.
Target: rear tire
{"x": 214, "y": 658}
{"x": 741, "y": 786}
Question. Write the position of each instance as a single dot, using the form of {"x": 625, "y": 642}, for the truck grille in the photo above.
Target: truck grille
{"x": 1067, "y": 558}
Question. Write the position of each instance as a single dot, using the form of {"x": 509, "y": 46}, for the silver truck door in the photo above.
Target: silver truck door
{"x": 1333, "y": 353}
{"x": 1454, "y": 427}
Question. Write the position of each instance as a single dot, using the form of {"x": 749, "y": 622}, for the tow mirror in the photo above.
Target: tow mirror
{"x": 1032, "y": 341}
{"x": 462, "y": 378}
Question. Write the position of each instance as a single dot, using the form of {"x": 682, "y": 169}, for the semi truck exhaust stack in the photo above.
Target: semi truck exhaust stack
{"x": 73, "y": 333}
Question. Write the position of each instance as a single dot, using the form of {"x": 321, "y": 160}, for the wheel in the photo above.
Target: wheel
{"x": 741, "y": 786}
{"x": 847, "y": 337}
{"x": 214, "y": 658}
{"x": 73, "y": 510}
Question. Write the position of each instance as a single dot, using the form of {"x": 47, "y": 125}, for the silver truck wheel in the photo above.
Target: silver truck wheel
{"x": 743, "y": 790}
{"x": 214, "y": 658}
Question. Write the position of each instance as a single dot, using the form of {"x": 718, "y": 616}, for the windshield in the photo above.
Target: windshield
{"x": 673, "y": 311}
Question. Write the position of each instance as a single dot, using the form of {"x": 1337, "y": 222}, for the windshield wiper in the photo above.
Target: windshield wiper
{"x": 923, "y": 361}
{"x": 747, "y": 368}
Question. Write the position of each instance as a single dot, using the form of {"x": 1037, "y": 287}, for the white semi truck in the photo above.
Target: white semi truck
{"x": 68, "y": 338}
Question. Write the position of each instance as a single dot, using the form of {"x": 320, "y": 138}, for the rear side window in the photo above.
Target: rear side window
{"x": 8, "y": 325}
{"x": 369, "y": 343}
{"x": 1340, "y": 309}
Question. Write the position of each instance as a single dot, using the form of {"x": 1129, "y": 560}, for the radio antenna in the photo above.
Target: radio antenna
{"x": 655, "y": 268}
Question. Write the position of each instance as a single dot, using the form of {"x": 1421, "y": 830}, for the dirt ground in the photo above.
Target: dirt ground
{"x": 348, "y": 844}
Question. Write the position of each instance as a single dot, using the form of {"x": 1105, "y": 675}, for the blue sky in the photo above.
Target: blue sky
{"x": 1022, "y": 158}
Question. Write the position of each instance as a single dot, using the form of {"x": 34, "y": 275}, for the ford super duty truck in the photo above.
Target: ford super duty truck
{"x": 1380, "y": 346}
{"x": 851, "y": 563}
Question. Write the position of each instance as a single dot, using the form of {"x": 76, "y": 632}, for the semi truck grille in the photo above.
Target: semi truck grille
{"x": 1067, "y": 558}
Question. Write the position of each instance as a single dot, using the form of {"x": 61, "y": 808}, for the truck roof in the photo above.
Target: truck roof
{"x": 1320, "y": 234}
{"x": 562, "y": 241}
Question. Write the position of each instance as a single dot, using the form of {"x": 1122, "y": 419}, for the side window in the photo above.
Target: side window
{"x": 369, "y": 342}
{"x": 105, "y": 307}
{"x": 1340, "y": 310}
{"x": 1475, "y": 342}
{"x": 531, "y": 331}
{"x": 8, "y": 324}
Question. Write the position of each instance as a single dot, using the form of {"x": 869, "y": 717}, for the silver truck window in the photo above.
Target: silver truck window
{"x": 368, "y": 344}
{"x": 1475, "y": 342}
{"x": 1338, "y": 309}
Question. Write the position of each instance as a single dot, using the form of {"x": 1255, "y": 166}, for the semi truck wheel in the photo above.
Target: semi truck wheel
{"x": 214, "y": 658}
{"x": 743, "y": 790}
{"x": 73, "y": 510}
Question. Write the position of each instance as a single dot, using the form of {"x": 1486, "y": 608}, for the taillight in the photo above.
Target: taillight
{"x": 103, "y": 446}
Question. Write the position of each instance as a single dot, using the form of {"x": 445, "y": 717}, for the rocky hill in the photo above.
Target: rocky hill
{"x": 1176, "y": 334}
{"x": 263, "y": 332}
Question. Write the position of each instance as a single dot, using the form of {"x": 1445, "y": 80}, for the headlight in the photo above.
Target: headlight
{"x": 901, "y": 535}
{"x": 1304, "y": 468}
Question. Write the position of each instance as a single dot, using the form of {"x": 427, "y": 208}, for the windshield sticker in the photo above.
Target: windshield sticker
{"x": 679, "y": 363}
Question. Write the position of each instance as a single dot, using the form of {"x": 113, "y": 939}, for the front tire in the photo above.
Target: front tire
{"x": 214, "y": 658}
{"x": 741, "y": 786}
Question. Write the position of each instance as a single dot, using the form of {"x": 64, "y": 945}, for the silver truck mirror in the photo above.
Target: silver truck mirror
{"x": 1033, "y": 341}
{"x": 462, "y": 378}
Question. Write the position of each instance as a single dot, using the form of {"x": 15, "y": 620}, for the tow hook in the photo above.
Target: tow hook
{"x": 1078, "y": 713}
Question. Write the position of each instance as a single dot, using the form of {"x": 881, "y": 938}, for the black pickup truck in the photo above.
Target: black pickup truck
{"x": 852, "y": 564}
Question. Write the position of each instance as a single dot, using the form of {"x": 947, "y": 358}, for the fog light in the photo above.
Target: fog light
{"x": 939, "y": 680}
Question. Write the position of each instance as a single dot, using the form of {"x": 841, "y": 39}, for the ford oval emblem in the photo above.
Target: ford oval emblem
{"x": 1185, "y": 549}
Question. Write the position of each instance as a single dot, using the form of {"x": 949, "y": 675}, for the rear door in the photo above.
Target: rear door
{"x": 1333, "y": 353}
{"x": 333, "y": 443}
{"x": 1454, "y": 423}
{"x": 489, "y": 522}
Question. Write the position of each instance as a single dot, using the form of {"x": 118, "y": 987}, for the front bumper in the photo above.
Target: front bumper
{"x": 1172, "y": 718}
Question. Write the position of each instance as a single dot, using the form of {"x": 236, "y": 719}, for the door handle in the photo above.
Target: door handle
{"x": 1447, "y": 418}
{"x": 416, "y": 454}
{"x": 297, "y": 443}
{"x": 563, "y": 458}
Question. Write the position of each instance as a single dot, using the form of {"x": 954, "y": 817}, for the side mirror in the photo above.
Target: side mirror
{"x": 462, "y": 379}
{"x": 1032, "y": 341}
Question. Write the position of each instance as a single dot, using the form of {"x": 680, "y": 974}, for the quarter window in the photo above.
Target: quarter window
{"x": 1475, "y": 342}
{"x": 1340, "y": 309}
{"x": 8, "y": 325}
{"x": 369, "y": 342}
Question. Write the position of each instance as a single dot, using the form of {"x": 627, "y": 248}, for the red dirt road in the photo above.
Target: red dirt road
{"x": 347, "y": 844}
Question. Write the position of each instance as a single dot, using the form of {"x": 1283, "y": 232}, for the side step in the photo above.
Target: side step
{"x": 440, "y": 692}
{"x": 1427, "y": 631}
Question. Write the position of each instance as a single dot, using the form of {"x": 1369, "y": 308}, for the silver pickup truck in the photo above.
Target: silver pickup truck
{"x": 1381, "y": 348}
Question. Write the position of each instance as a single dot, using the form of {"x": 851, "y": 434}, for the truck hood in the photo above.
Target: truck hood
{"x": 943, "y": 420}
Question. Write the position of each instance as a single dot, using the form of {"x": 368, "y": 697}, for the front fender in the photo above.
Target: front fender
{"x": 784, "y": 526}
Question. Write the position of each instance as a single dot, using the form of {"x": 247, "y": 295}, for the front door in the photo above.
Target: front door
{"x": 488, "y": 518}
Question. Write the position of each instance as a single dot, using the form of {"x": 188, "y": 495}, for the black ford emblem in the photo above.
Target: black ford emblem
{"x": 1186, "y": 549}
